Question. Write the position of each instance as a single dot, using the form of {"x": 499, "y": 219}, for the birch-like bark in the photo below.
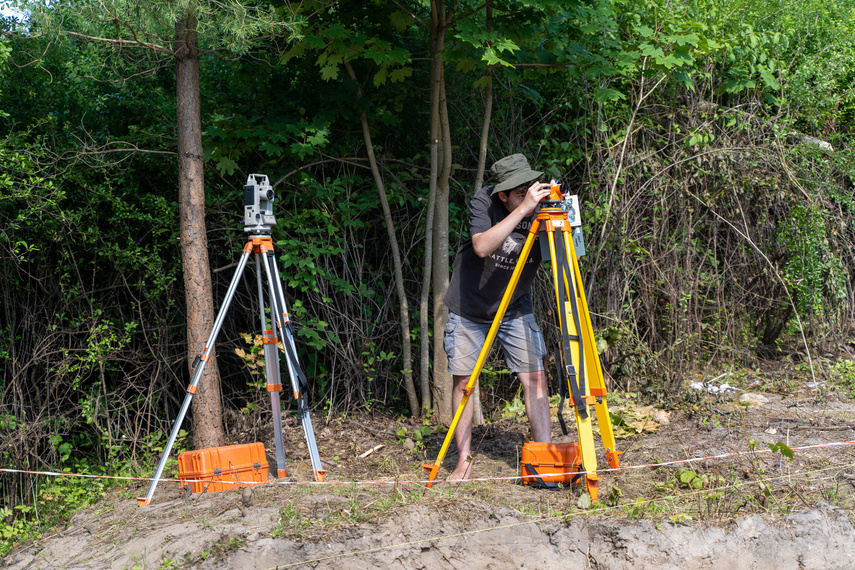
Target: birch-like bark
{"x": 441, "y": 378}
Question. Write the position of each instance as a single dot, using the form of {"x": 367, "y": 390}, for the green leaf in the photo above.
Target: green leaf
{"x": 644, "y": 31}
{"x": 380, "y": 76}
{"x": 378, "y": 57}
{"x": 783, "y": 449}
{"x": 226, "y": 166}
{"x": 652, "y": 51}
{"x": 466, "y": 65}
{"x": 271, "y": 149}
{"x": 401, "y": 20}
{"x": 504, "y": 44}
{"x": 329, "y": 72}
{"x": 297, "y": 51}
{"x": 492, "y": 58}
{"x": 314, "y": 42}
{"x": 603, "y": 95}
{"x": 768, "y": 78}
{"x": 400, "y": 74}
{"x": 483, "y": 82}
{"x": 399, "y": 55}
{"x": 687, "y": 39}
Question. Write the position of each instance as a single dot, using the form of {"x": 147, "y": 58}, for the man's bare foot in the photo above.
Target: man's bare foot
{"x": 461, "y": 472}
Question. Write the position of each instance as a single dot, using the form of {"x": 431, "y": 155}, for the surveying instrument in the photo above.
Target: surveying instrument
{"x": 258, "y": 220}
{"x": 580, "y": 373}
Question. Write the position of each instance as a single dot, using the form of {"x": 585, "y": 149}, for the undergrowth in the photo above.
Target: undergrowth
{"x": 55, "y": 498}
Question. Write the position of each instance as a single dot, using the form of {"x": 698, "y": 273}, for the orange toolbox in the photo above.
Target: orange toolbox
{"x": 547, "y": 464}
{"x": 210, "y": 470}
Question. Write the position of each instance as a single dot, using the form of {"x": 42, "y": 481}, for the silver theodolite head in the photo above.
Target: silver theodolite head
{"x": 258, "y": 204}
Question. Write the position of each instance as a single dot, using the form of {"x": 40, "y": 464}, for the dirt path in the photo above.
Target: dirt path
{"x": 760, "y": 511}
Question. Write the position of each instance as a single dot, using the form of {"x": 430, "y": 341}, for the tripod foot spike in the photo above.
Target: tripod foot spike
{"x": 281, "y": 473}
{"x": 143, "y": 501}
{"x": 320, "y": 474}
{"x": 432, "y": 472}
{"x": 592, "y": 484}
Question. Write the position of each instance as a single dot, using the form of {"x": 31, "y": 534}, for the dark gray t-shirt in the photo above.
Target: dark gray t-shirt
{"x": 478, "y": 283}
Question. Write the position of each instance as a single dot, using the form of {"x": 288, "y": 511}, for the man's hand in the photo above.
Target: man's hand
{"x": 520, "y": 205}
{"x": 535, "y": 193}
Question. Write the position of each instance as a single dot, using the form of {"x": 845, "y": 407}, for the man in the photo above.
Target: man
{"x": 499, "y": 220}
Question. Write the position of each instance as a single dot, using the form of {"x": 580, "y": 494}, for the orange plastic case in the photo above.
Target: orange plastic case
{"x": 204, "y": 469}
{"x": 549, "y": 462}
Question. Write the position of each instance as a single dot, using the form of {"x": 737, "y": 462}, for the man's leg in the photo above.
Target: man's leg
{"x": 463, "y": 432}
{"x": 536, "y": 404}
{"x": 524, "y": 350}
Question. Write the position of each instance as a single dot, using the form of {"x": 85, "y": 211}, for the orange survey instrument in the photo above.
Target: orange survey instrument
{"x": 579, "y": 370}
{"x": 223, "y": 468}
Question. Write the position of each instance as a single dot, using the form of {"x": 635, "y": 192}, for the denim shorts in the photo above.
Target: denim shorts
{"x": 520, "y": 338}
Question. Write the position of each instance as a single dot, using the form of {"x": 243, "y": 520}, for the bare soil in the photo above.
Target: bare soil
{"x": 760, "y": 510}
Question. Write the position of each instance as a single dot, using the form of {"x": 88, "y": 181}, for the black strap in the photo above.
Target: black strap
{"x": 578, "y": 477}
{"x": 538, "y": 482}
{"x": 575, "y": 378}
{"x": 562, "y": 389}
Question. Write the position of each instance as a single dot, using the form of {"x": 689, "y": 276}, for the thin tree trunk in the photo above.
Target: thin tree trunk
{"x": 441, "y": 377}
{"x": 441, "y": 394}
{"x": 488, "y": 113}
{"x": 477, "y": 411}
{"x": 424, "y": 355}
{"x": 207, "y": 403}
{"x": 424, "y": 297}
{"x": 485, "y": 132}
{"x": 396, "y": 260}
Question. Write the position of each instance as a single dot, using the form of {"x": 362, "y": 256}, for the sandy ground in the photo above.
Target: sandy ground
{"x": 746, "y": 511}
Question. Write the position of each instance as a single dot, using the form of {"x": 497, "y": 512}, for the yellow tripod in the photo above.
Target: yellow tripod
{"x": 579, "y": 364}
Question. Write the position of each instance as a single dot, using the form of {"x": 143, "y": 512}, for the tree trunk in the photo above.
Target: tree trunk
{"x": 440, "y": 172}
{"x": 485, "y": 133}
{"x": 403, "y": 308}
{"x": 477, "y": 411}
{"x": 207, "y": 403}
{"x": 488, "y": 113}
{"x": 436, "y": 37}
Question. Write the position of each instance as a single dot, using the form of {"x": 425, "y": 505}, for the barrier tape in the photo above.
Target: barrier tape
{"x": 426, "y": 481}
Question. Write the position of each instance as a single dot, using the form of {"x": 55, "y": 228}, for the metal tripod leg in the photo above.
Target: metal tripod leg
{"x": 271, "y": 369}
{"x": 298, "y": 377}
{"x": 199, "y": 367}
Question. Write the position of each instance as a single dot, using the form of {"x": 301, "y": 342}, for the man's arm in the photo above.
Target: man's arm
{"x": 487, "y": 242}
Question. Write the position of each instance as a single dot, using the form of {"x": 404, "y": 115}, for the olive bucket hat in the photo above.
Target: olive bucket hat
{"x": 512, "y": 171}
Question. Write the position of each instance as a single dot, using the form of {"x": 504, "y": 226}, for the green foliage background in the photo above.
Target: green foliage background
{"x": 709, "y": 141}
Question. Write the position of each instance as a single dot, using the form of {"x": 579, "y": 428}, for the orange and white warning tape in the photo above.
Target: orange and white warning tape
{"x": 425, "y": 481}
